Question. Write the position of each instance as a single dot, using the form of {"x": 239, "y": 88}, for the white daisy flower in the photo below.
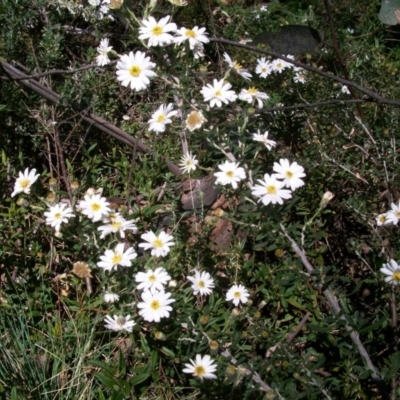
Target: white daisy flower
{"x": 393, "y": 215}
{"x": 157, "y": 32}
{"x": 25, "y": 181}
{"x": 152, "y": 279}
{"x": 111, "y": 297}
{"x": 392, "y": 270}
{"x": 115, "y": 223}
{"x": 155, "y": 305}
{"x": 244, "y": 73}
{"x": 195, "y": 120}
{"x": 345, "y": 90}
{"x": 159, "y": 245}
{"x": 289, "y": 173}
{"x": 94, "y": 207}
{"x": 269, "y": 144}
{"x": 251, "y": 95}
{"x": 202, "y": 282}
{"x": 103, "y": 50}
{"x": 188, "y": 163}
{"x": 237, "y": 294}
{"x": 264, "y": 67}
{"x": 134, "y": 70}
{"x": 57, "y": 215}
{"x": 218, "y": 93}
{"x": 279, "y": 65}
{"x": 202, "y": 367}
{"x": 381, "y": 219}
{"x": 270, "y": 190}
{"x": 196, "y": 36}
{"x": 162, "y": 117}
{"x": 300, "y": 76}
{"x": 230, "y": 174}
{"x": 198, "y": 51}
{"x": 112, "y": 258}
{"x": 119, "y": 323}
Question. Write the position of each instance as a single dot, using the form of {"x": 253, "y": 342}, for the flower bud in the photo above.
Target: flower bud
{"x": 172, "y": 283}
{"x": 203, "y": 70}
{"x": 214, "y": 345}
{"x": 251, "y": 111}
{"x": 230, "y": 371}
{"x": 53, "y": 183}
{"x": 204, "y": 319}
{"x": 160, "y": 336}
{"x": 22, "y": 202}
{"x": 74, "y": 186}
{"x": 51, "y": 199}
{"x": 326, "y": 198}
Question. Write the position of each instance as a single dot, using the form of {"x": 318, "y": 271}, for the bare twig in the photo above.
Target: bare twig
{"x": 254, "y": 376}
{"x": 373, "y": 95}
{"x": 88, "y": 117}
{"x": 335, "y": 307}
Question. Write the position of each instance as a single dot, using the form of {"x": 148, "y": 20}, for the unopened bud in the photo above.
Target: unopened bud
{"x": 22, "y": 202}
{"x": 172, "y": 283}
{"x": 51, "y": 199}
{"x": 326, "y": 198}
{"x": 204, "y": 319}
{"x": 74, "y": 186}
{"x": 230, "y": 370}
{"x": 251, "y": 111}
{"x": 160, "y": 336}
{"x": 203, "y": 70}
{"x": 214, "y": 345}
{"x": 53, "y": 183}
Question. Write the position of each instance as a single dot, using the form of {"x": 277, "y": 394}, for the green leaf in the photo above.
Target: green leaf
{"x": 102, "y": 365}
{"x": 106, "y": 380}
{"x": 138, "y": 379}
{"x": 390, "y": 12}
{"x": 395, "y": 365}
{"x": 145, "y": 345}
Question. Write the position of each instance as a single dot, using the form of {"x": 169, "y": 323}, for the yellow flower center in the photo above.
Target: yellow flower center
{"x": 396, "y": 276}
{"x": 237, "y": 295}
{"x": 120, "y": 321}
{"x": 135, "y": 71}
{"x": 96, "y": 207}
{"x": 199, "y": 371}
{"x": 190, "y": 33}
{"x": 115, "y": 225}
{"x": 161, "y": 118}
{"x": 218, "y": 93}
{"x": 201, "y": 284}
{"x": 24, "y": 183}
{"x": 397, "y": 213}
{"x": 158, "y": 243}
{"x": 116, "y": 258}
{"x": 382, "y": 218}
{"x": 152, "y": 278}
{"x": 57, "y": 215}
{"x": 252, "y": 90}
{"x": 289, "y": 174}
{"x": 271, "y": 189}
{"x": 157, "y": 30}
{"x": 263, "y": 69}
{"x": 236, "y": 65}
{"x": 155, "y": 305}
{"x": 230, "y": 174}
